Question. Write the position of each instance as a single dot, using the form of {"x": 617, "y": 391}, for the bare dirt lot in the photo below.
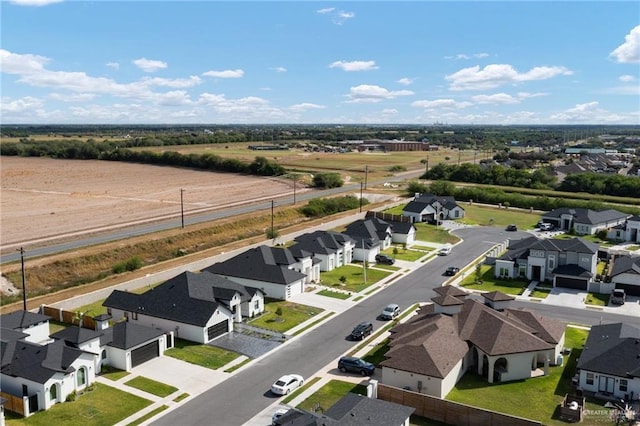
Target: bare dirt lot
{"x": 42, "y": 198}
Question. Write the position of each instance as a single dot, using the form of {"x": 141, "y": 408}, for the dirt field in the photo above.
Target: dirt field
{"x": 42, "y": 198}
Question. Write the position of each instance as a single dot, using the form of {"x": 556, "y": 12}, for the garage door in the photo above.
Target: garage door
{"x": 571, "y": 283}
{"x": 217, "y": 330}
{"x": 630, "y": 289}
{"x": 145, "y": 353}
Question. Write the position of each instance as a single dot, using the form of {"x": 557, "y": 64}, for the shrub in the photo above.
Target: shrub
{"x": 130, "y": 264}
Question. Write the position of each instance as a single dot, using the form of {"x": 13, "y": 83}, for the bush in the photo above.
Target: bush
{"x": 327, "y": 180}
{"x": 130, "y": 264}
{"x": 327, "y": 206}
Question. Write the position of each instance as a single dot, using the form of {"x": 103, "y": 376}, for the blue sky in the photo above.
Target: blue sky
{"x": 353, "y": 62}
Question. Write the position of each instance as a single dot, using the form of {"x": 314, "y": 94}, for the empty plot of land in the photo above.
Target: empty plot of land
{"x": 42, "y": 198}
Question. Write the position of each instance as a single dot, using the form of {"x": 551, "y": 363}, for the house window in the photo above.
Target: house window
{"x": 109, "y": 311}
{"x": 552, "y": 262}
{"x": 504, "y": 272}
{"x": 134, "y": 315}
{"x": 590, "y": 378}
{"x": 584, "y": 259}
{"x": 256, "y": 305}
{"x": 126, "y": 315}
{"x": 623, "y": 385}
{"x": 82, "y": 377}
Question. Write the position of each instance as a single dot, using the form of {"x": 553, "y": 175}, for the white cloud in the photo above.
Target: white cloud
{"x": 14, "y": 63}
{"x": 629, "y": 51}
{"x": 72, "y": 97}
{"x": 224, "y": 74}
{"x": 149, "y": 65}
{"x": 389, "y": 111}
{"x": 36, "y": 3}
{"x": 627, "y": 78}
{"x": 176, "y": 83}
{"x": 325, "y": 10}
{"x": 496, "y": 75}
{"x": 306, "y": 106}
{"x": 406, "y": 81}
{"x": 354, "y": 65}
{"x": 465, "y": 56}
{"x": 441, "y": 103}
{"x": 338, "y": 17}
{"x": 20, "y": 105}
{"x": 279, "y": 69}
{"x": 114, "y": 65}
{"x": 589, "y": 112}
{"x": 504, "y": 98}
{"x": 366, "y": 93}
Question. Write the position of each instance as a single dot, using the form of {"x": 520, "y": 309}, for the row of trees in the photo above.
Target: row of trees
{"x": 498, "y": 197}
{"x": 320, "y": 207}
{"x": 598, "y": 183}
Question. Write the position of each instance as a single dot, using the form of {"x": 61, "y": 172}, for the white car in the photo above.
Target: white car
{"x": 444, "y": 251}
{"x": 279, "y": 413}
{"x": 286, "y": 384}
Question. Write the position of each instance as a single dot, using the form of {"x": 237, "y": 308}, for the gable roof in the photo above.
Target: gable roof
{"x": 401, "y": 227}
{"x": 612, "y": 349}
{"x": 76, "y": 335}
{"x": 587, "y": 216}
{"x": 37, "y": 363}
{"x": 19, "y": 320}
{"x": 262, "y": 263}
{"x": 321, "y": 242}
{"x": 422, "y": 201}
{"x": 355, "y": 410}
{"x": 365, "y": 232}
{"x": 497, "y": 296}
{"x": 626, "y": 265}
{"x": 519, "y": 249}
{"x": 188, "y": 298}
{"x": 126, "y": 335}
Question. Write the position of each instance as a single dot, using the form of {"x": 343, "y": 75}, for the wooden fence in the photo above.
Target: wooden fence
{"x": 15, "y": 404}
{"x": 449, "y": 412}
{"x": 67, "y": 317}
{"x": 388, "y": 216}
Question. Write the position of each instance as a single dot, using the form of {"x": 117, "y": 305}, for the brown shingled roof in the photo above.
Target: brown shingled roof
{"x": 497, "y": 296}
{"x": 450, "y": 290}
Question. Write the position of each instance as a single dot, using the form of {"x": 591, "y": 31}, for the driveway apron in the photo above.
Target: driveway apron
{"x": 253, "y": 347}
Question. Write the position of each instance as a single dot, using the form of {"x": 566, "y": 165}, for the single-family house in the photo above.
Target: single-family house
{"x": 584, "y": 221}
{"x": 371, "y": 236}
{"x": 185, "y": 305}
{"x": 433, "y": 208}
{"x": 35, "y": 326}
{"x": 329, "y": 250}
{"x": 608, "y": 365}
{"x": 566, "y": 263}
{"x": 403, "y": 232}
{"x": 351, "y": 410}
{"x": 628, "y": 231}
{"x": 454, "y": 335}
{"x": 625, "y": 274}
{"x": 274, "y": 270}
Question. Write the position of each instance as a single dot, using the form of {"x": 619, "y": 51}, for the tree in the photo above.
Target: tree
{"x": 327, "y": 180}
{"x": 478, "y": 273}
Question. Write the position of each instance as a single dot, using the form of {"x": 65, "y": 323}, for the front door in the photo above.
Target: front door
{"x": 535, "y": 273}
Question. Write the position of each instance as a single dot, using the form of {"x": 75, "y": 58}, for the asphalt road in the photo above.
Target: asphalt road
{"x": 238, "y": 399}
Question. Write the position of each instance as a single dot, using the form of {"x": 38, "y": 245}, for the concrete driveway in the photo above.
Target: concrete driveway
{"x": 253, "y": 347}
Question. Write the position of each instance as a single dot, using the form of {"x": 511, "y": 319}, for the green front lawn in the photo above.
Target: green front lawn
{"x": 493, "y": 216}
{"x": 491, "y": 283}
{"x": 534, "y": 398}
{"x": 434, "y": 234}
{"x": 151, "y": 386}
{"x": 112, "y": 373}
{"x": 334, "y": 294}
{"x": 329, "y": 394}
{"x": 408, "y": 254}
{"x": 597, "y": 299}
{"x": 103, "y": 406}
{"x": 351, "y": 277}
{"x": 540, "y": 293}
{"x": 199, "y": 354}
{"x": 292, "y": 314}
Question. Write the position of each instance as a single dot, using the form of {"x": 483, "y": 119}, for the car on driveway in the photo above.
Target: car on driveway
{"x": 390, "y": 312}
{"x": 352, "y": 364}
{"x": 361, "y": 331}
{"x": 279, "y": 413}
{"x": 618, "y": 297}
{"x": 385, "y": 259}
{"x": 451, "y": 271}
{"x": 286, "y": 384}
{"x": 511, "y": 228}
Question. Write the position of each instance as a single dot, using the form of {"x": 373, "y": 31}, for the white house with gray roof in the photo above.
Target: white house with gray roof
{"x": 628, "y": 231}
{"x": 429, "y": 208}
{"x": 625, "y": 274}
{"x": 329, "y": 250}
{"x": 584, "y": 221}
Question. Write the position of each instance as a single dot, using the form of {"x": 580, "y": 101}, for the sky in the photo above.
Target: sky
{"x": 307, "y": 62}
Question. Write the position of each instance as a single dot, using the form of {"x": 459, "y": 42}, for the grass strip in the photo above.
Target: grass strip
{"x": 298, "y": 391}
{"x": 149, "y": 415}
{"x": 151, "y": 386}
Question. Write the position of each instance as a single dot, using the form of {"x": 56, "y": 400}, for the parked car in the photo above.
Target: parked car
{"x": 545, "y": 226}
{"x": 444, "y": 251}
{"x": 451, "y": 271}
{"x": 511, "y": 228}
{"x": 286, "y": 384}
{"x": 385, "y": 259}
{"x": 361, "y": 331}
{"x": 356, "y": 365}
{"x": 618, "y": 297}
{"x": 390, "y": 312}
{"x": 279, "y": 413}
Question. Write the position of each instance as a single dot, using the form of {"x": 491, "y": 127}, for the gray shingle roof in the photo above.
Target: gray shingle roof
{"x": 126, "y": 335}
{"x": 19, "y": 320}
{"x": 263, "y": 263}
{"x": 626, "y": 264}
{"x": 519, "y": 249}
{"x": 366, "y": 230}
{"x": 321, "y": 242}
{"x": 421, "y": 202}
{"x": 356, "y": 410}
{"x": 36, "y": 362}
{"x": 612, "y": 349}
{"x": 76, "y": 335}
{"x": 587, "y": 216}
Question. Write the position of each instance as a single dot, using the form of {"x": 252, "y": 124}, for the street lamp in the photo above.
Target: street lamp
{"x": 182, "y": 207}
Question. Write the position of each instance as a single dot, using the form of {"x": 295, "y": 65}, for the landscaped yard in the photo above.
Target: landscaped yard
{"x": 291, "y": 314}
{"x": 494, "y": 216}
{"x": 491, "y": 283}
{"x": 597, "y": 299}
{"x": 103, "y": 406}
{"x": 151, "y": 386}
{"x": 540, "y": 293}
{"x": 330, "y": 393}
{"x": 335, "y": 294}
{"x": 434, "y": 234}
{"x": 535, "y": 398}
{"x": 354, "y": 279}
{"x": 199, "y": 354}
{"x": 108, "y": 372}
{"x": 409, "y": 254}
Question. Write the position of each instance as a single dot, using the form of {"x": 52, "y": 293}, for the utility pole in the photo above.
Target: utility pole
{"x": 366, "y": 174}
{"x": 459, "y": 153}
{"x": 360, "y": 197}
{"x": 294, "y": 188}
{"x": 24, "y": 287}
{"x": 271, "y": 217}
{"x": 182, "y": 207}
